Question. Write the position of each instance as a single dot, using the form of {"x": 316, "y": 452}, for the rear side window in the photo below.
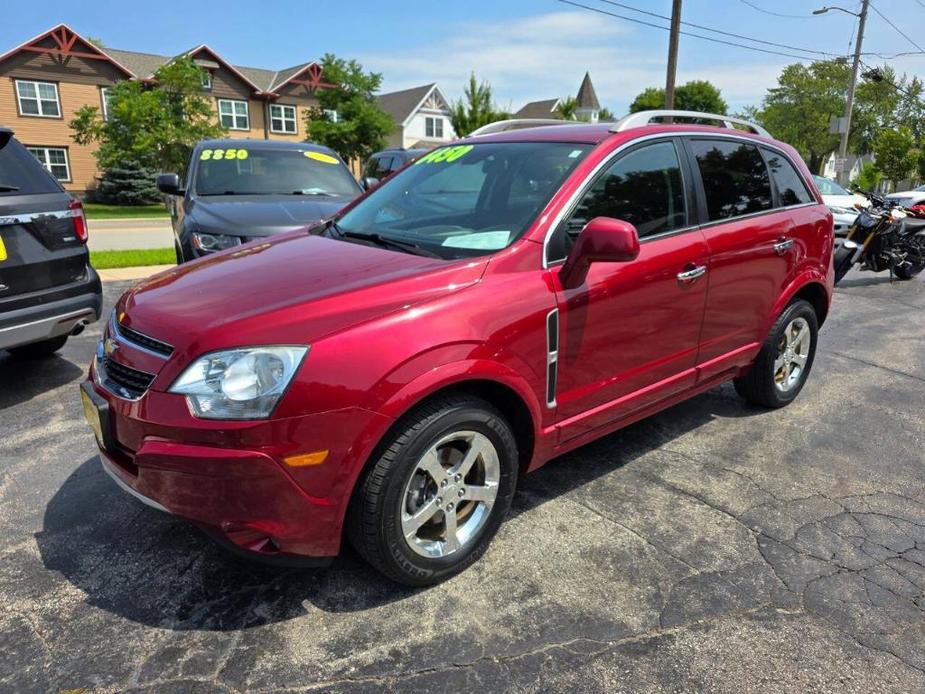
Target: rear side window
{"x": 735, "y": 178}
{"x": 21, "y": 171}
{"x": 790, "y": 187}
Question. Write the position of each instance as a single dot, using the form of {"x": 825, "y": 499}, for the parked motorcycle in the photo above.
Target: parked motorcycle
{"x": 883, "y": 237}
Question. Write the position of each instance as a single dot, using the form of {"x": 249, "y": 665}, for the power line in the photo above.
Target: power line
{"x": 688, "y": 33}
{"x": 779, "y": 14}
{"x": 717, "y": 31}
{"x": 898, "y": 30}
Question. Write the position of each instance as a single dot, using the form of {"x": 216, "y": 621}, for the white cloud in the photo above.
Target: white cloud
{"x": 546, "y": 55}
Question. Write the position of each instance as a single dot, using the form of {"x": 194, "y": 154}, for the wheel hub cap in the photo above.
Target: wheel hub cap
{"x": 793, "y": 353}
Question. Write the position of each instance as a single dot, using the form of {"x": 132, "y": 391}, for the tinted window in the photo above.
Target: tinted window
{"x": 790, "y": 187}
{"x": 735, "y": 179}
{"x": 19, "y": 169}
{"x": 644, "y": 188}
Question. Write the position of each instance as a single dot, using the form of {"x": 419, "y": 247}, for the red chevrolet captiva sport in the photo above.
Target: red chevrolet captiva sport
{"x": 386, "y": 375}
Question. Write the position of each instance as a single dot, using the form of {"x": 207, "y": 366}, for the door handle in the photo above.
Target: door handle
{"x": 782, "y": 246}
{"x": 691, "y": 276}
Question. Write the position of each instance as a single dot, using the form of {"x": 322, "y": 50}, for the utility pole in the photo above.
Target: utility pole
{"x": 849, "y": 104}
{"x": 673, "y": 53}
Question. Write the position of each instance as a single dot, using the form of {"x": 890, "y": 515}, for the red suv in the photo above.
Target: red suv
{"x": 388, "y": 374}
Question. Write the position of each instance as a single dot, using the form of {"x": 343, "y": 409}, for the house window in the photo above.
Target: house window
{"x": 105, "y": 96}
{"x": 205, "y": 78}
{"x": 330, "y": 115}
{"x": 282, "y": 119}
{"x": 38, "y": 99}
{"x": 55, "y": 160}
{"x": 233, "y": 114}
{"x": 433, "y": 127}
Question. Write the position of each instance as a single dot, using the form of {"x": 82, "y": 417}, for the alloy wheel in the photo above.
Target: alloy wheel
{"x": 793, "y": 353}
{"x": 450, "y": 494}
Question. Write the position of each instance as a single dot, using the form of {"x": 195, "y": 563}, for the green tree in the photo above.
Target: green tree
{"x": 896, "y": 154}
{"x": 920, "y": 165}
{"x": 799, "y": 108}
{"x": 605, "y": 115}
{"x": 696, "y": 95}
{"x": 127, "y": 183}
{"x": 868, "y": 177}
{"x": 361, "y": 126}
{"x": 475, "y": 109}
{"x": 566, "y": 108}
{"x": 153, "y": 126}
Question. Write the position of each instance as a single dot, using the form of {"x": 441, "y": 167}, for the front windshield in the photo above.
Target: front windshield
{"x": 271, "y": 171}
{"x": 466, "y": 200}
{"x": 827, "y": 186}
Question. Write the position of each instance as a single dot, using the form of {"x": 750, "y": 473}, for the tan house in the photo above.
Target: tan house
{"x": 45, "y": 80}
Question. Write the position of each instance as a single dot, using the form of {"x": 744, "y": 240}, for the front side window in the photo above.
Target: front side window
{"x": 38, "y": 99}
{"x": 271, "y": 171}
{"x": 643, "y": 187}
{"x": 54, "y": 159}
{"x": 233, "y": 114}
{"x": 735, "y": 178}
{"x": 466, "y": 200}
{"x": 282, "y": 119}
{"x": 790, "y": 187}
{"x": 433, "y": 127}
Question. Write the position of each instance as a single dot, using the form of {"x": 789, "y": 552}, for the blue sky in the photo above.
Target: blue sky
{"x": 527, "y": 49}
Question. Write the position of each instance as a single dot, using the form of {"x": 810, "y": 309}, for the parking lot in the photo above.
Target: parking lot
{"x": 712, "y": 547}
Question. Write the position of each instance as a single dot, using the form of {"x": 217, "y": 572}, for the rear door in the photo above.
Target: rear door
{"x": 39, "y": 240}
{"x": 751, "y": 245}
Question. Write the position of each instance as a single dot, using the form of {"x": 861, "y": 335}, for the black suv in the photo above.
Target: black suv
{"x": 48, "y": 290}
{"x": 383, "y": 163}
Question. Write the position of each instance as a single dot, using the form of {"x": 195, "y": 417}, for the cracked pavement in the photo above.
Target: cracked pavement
{"x": 713, "y": 547}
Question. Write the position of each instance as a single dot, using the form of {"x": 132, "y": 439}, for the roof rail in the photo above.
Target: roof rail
{"x": 643, "y": 118}
{"x": 519, "y": 124}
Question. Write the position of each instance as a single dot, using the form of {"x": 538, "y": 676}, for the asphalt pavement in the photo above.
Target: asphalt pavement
{"x": 713, "y": 547}
{"x": 126, "y": 234}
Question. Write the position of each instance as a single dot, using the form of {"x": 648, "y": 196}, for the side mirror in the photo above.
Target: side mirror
{"x": 603, "y": 240}
{"x": 369, "y": 182}
{"x": 169, "y": 184}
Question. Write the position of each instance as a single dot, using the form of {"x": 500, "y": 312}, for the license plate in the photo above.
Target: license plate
{"x": 2, "y": 250}
{"x": 94, "y": 417}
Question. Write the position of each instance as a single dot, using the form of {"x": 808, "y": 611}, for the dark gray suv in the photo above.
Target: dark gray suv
{"x": 48, "y": 290}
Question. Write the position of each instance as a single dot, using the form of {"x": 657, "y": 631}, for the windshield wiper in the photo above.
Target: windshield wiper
{"x": 383, "y": 241}
{"x": 323, "y": 193}
{"x": 7, "y": 188}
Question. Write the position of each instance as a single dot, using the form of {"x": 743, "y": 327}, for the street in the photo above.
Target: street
{"x": 128, "y": 234}
{"x": 713, "y": 547}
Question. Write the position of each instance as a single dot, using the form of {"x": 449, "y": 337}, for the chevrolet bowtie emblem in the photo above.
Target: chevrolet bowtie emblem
{"x": 110, "y": 346}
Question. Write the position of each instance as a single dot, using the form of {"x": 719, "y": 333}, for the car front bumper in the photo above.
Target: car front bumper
{"x": 232, "y": 478}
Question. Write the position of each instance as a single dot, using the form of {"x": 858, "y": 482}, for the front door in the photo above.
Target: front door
{"x": 629, "y": 334}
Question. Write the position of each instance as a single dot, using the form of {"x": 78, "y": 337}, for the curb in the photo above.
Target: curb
{"x": 131, "y": 273}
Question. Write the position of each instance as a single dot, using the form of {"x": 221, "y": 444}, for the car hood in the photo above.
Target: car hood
{"x": 847, "y": 201}
{"x": 292, "y": 289}
{"x": 260, "y": 215}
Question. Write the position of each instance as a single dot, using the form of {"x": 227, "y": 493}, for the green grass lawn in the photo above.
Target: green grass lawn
{"x": 97, "y": 211}
{"x": 106, "y": 260}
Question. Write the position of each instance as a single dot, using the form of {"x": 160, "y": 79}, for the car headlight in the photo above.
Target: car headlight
{"x": 209, "y": 243}
{"x": 843, "y": 210}
{"x": 244, "y": 383}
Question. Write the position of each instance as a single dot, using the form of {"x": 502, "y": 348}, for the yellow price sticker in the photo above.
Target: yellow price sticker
{"x": 223, "y": 154}
{"x": 2, "y": 250}
{"x": 321, "y": 156}
{"x": 445, "y": 154}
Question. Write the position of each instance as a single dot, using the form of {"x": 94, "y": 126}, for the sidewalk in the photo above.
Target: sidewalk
{"x": 131, "y": 273}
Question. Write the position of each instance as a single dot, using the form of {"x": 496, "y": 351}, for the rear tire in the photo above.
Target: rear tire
{"x": 39, "y": 350}
{"x": 782, "y": 366}
{"x": 179, "y": 252}
{"x": 419, "y": 488}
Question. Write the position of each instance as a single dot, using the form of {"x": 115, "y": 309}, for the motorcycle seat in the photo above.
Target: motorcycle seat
{"x": 913, "y": 225}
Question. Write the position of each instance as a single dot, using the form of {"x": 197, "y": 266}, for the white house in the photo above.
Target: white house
{"x": 854, "y": 165}
{"x": 421, "y": 115}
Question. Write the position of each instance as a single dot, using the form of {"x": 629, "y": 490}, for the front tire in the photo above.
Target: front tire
{"x": 429, "y": 505}
{"x": 782, "y": 366}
